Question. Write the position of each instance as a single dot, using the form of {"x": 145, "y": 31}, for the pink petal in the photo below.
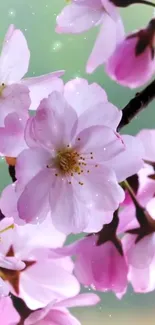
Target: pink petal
{"x": 64, "y": 201}
{"x": 40, "y": 87}
{"x": 134, "y": 72}
{"x": 33, "y": 204}
{"x": 11, "y": 263}
{"x": 4, "y": 291}
{"x": 85, "y": 299}
{"x": 9, "y": 315}
{"x": 76, "y": 19}
{"x": 14, "y": 98}
{"x": 105, "y": 114}
{"x": 130, "y": 161}
{"x": 100, "y": 190}
{"x": 82, "y": 96}
{"x": 29, "y": 163}
{"x": 59, "y": 317}
{"x": 147, "y": 137}
{"x": 97, "y": 219}
{"x": 139, "y": 255}
{"x": 12, "y": 135}
{"x": 90, "y": 141}
{"x": 15, "y": 55}
{"x": 64, "y": 120}
{"x": 106, "y": 40}
{"x": 46, "y": 281}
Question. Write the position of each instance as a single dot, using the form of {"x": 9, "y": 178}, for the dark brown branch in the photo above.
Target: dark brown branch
{"x": 137, "y": 104}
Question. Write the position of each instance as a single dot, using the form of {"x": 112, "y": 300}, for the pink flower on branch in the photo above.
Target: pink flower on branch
{"x": 69, "y": 165}
{"x": 80, "y": 16}
{"x": 57, "y": 313}
{"x": 99, "y": 259}
{"x": 14, "y": 63}
{"x": 42, "y": 279}
{"x": 132, "y": 64}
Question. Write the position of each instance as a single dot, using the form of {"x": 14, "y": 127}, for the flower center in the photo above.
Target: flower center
{"x": 66, "y": 161}
{"x": 2, "y": 86}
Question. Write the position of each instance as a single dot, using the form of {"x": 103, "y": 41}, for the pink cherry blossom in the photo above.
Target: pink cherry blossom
{"x": 146, "y": 185}
{"x": 8, "y": 262}
{"x": 42, "y": 279}
{"x": 140, "y": 256}
{"x": 9, "y": 315}
{"x": 79, "y": 16}
{"x": 14, "y": 62}
{"x": 98, "y": 266}
{"x": 132, "y": 64}
{"x": 56, "y": 312}
{"x": 69, "y": 168}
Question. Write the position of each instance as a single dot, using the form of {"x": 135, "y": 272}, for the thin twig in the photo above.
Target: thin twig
{"x": 137, "y": 104}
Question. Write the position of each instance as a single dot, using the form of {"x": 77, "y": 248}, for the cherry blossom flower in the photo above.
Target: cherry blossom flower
{"x": 140, "y": 252}
{"x": 42, "y": 279}
{"x": 56, "y": 312}
{"x": 8, "y": 262}
{"x": 14, "y": 62}
{"x": 132, "y": 64}
{"x": 9, "y": 315}
{"x": 99, "y": 259}
{"x": 79, "y": 16}
{"x": 139, "y": 244}
{"x": 69, "y": 169}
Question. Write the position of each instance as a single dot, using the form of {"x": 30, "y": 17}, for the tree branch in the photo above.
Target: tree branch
{"x": 137, "y": 104}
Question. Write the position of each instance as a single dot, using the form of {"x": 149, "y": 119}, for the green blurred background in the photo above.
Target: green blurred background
{"x": 50, "y": 52}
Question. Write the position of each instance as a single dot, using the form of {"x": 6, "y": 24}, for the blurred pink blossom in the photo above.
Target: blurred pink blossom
{"x": 42, "y": 279}
{"x": 132, "y": 64}
{"x": 79, "y": 16}
{"x": 57, "y": 314}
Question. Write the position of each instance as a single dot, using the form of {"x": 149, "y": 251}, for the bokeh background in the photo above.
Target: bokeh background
{"x": 50, "y": 52}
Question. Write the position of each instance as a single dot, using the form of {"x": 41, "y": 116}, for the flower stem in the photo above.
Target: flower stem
{"x": 137, "y": 104}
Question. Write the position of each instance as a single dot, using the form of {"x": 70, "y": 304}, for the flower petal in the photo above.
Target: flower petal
{"x": 77, "y": 19}
{"x": 33, "y": 202}
{"x": 90, "y": 141}
{"x": 82, "y": 96}
{"x": 106, "y": 40}
{"x": 46, "y": 281}
{"x": 12, "y": 135}
{"x": 69, "y": 215}
{"x": 105, "y": 114}
{"x": 40, "y": 87}
{"x": 14, "y": 98}
{"x": 64, "y": 120}
{"x": 85, "y": 299}
{"x": 130, "y": 161}
{"x": 29, "y": 163}
{"x": 15, "y": 55}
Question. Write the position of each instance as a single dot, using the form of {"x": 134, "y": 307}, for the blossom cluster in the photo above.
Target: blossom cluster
{"x": 73, "y": 172}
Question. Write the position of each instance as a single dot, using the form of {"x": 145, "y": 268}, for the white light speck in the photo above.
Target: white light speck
{"x": 12, "y": 13}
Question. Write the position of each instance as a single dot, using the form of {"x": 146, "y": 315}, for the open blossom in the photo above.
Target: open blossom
{"x": 14, "y": 62}
{"x": 17, "y": 95}
{"x": 79, "y": 16}
{"x": 145, "y": 182}
{"x": 42, "y": 279}
{"x": 8, "y": 262}
{"x": 57, "y": 313}
{"x": 140, "y": 253}
{"x": 98, "y": 261}
{"x": 132, "y": 64}
{"x": 139, "y": 244}
{"x": 8, "y": 314}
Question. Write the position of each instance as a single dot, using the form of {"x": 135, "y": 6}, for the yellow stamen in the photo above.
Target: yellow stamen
{"x": 7, "y": 228}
